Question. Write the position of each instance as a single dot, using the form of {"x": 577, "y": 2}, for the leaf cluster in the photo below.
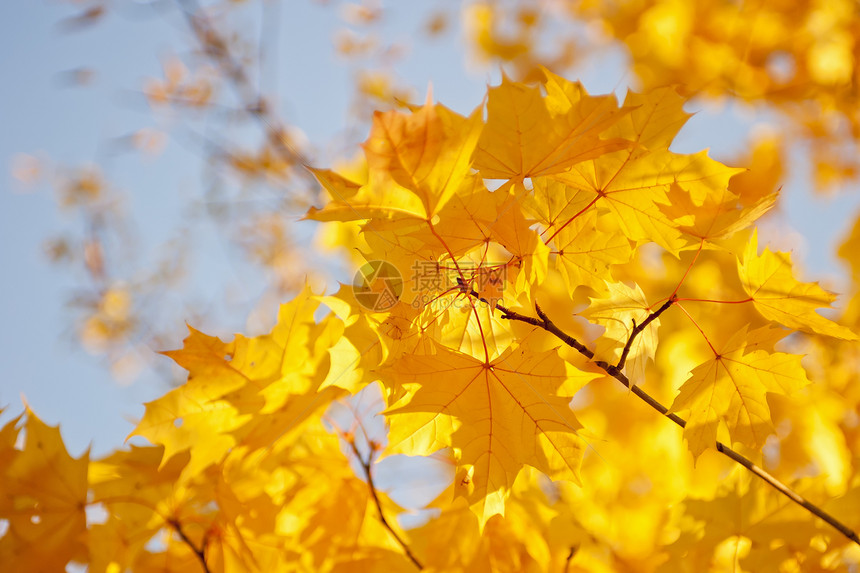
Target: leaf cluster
{"x": 545, "y": 201}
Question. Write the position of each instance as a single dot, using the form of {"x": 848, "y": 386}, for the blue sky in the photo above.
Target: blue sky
{"x": 74, "y": 125}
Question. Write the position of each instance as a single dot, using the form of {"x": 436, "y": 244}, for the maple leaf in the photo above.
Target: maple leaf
{"x": 714, "y": 216}
{"x": 619, "y": 311}
{"x": 655, "y": 118}
{"x": 131, "y": 485}
{"x": 228, "y": 383}
{"x": 742, "y": 525}
{"x": 44, "y": 501}
{"x": 778, "y": 296}
{"x": 529, "y": 135}
{"x": 378, "y": 337}
{"x": 586, "y": 250}
{"x": 381, "y": 196}
{"x": 632, "y": 183}
{"x": 731, "y": 389}
{"x": 632, "y": 186}
{"x": 428, "y": 152}
{"x": 554, "y": 204}
{"x": 497, "y": 416}
{"x": 512, "y": 231}
{"x": 416, "y": 163}
{"x": 464, "y": 222}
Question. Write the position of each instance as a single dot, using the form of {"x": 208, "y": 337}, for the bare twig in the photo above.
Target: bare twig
{"x": 570, "y": 555}
{"x": 544, "y": 322}
{"x": 200, "y": 553}
{"x": 615, "y": 371}
{"x": 637, "y": 328}
{"x": 365, "y": 466}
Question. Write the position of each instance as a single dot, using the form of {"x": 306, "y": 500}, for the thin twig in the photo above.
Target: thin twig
{"x": 200, "y": 553}
{"x": 366, "y": 465}
{"x": 637, "y": 328}
{"x": 570, "y": 555}
{"x": 545, "y": 323}
{"x": 615, "y": 371}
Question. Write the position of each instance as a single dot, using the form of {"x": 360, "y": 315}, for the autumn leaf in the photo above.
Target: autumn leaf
{"x": 513, "y": 231}
{"x": 555, "y": 204}
{"x": 416, "y": 163}
{"x": 497, "y": 416}
{"x": 731, "y": 390}
{"x": 714, "y": 216}
{"x": 43, "y": 502}
{"x": 586, "y": 250}
{"x": 655, "y": 118}
{"x": 769, "y": 281}
{"x": 743, "y": 525}
{"x": 632, "y": 186}
{"x": 131, "y": 485}
{"x": 428, "y": 152}
{"x": 619, "y": 311}
{"x": 229, "y": 383}
{"x": 529, "y": 135}
{"x": 381, "y": 196}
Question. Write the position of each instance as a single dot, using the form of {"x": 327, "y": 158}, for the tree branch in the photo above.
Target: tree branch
{"x": 637, "y": 328}
{"x": 545, "y": 323}
{"x": 365, "y": 465}
{"x": 200, "y": 553}
{"x": 570, "y": 555}
{"x": 615, "y": 371}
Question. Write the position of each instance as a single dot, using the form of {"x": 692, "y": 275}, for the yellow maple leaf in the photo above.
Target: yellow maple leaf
{"x": 229, "y": 383}
{"x": 586, "y": 250}
{"x": 731, "y": 389}
{"x": 632, "y": 186}
{"x": 529, "y": 135}
{"x": 714, "y": 216}
{"x": 553, "y": 203}
{"x": 632, "y": 182}
{"x": 131, "y": 485}
{"x": 380, "y": 196}
{"x": 44, "y": 501}
{"x": 619, "y": 311}
{"x": 428, "y": 152}
{"x": 655, "y": 118}
{"x": 497, "y": 416}
{"x": 743, "y": 526}
{"x": 778, "y": 296}
{"x": 416, "y": 163}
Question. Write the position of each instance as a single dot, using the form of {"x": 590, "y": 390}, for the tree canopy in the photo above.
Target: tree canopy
{"x": 578, "y": 331}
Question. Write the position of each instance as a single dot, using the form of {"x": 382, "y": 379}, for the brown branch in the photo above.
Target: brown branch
{"x": 570, "y": 555}
{"x": 544, "y": 322}
{"x": 366, "y": 465}
{"x": 615, "y": 371}
{"x": 637, "y": 328}
{"x": 200, "y": 553}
